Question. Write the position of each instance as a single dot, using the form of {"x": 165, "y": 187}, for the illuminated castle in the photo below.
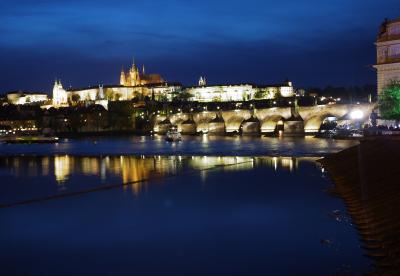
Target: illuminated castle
{"x": 137, "y": 84}
{"x": 135, "y": 78}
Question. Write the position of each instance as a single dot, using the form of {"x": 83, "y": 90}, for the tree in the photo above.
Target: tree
{"x": 216, "y": 99}
{"x": 109, "y": 94}
{"x": 163, "y": 98}
{"x": 260, "y": 94}
{"x": 117, "y": 96}
{"x": 389, "y": 101}
{"x": 181, "y": 96}
{"x": 75, "y": 98}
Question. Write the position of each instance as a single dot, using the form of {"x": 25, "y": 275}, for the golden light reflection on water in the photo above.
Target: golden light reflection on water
{"x": 62, "y": 167}
{"x": 138, "y": 169}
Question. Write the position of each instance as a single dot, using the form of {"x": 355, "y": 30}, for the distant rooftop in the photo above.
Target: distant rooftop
{"x": 389, "y": 30}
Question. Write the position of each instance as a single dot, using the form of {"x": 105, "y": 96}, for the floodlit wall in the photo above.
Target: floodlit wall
{"x": 222, "y": 93}
{"x": 20, "y": 99}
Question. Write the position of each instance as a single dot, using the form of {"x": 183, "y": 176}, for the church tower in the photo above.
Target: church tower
{"x": 388, "y": 53}
{"x": 134, "y": 75}
{"x": 122, "y": 80}
{"x": 59, "y": 94}
{"x": 202, "y": 81}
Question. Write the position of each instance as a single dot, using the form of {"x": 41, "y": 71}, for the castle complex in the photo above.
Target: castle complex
{"x": 138, "y": 84}
{"x": 388, "y": 53}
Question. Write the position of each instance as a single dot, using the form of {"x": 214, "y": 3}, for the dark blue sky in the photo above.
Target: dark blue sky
{"x": 312, "y": 42}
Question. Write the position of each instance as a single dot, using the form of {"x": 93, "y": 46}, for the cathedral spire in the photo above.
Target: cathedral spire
{"x": 122, "y": 79}
{"x": 143, "y": 71}
{"x": 133, "y": 63}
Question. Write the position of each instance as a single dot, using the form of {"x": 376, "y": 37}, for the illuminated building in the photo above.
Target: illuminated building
{"x": 238, "y": 92}
{"x": 388, "y": 53}
{"x": 135, "y": 78}
{"x": 136, "y": 84}
{"x": 123, "y": 93}
{"x": 59, "y": 94}
{"x": 21, "y": 98}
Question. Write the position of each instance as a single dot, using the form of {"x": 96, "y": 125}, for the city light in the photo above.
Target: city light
{"x": 356, "y": 114}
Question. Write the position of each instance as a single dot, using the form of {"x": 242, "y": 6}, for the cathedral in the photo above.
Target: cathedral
{"x": 136, "y": 78}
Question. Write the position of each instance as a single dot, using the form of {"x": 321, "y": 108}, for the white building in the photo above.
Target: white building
{"x": 221, "y": 93}
{"x": 123, "y": 93}
{"x": 239, "y": 92}
{"x": 388, "y": 53}
{"x": 21, "y": 98}
{"x": 59, "y": 94}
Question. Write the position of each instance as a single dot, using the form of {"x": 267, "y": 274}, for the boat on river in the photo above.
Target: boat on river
{"x": 173, "y": 135}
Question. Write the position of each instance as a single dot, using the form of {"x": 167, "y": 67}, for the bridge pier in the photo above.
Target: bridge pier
{"x": 251, "y": 126}
{"x": 188, "y": 126}
{"x": 293, "y": 127}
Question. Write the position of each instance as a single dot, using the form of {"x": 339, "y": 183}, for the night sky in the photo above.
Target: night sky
{"x": 82, "y": 42}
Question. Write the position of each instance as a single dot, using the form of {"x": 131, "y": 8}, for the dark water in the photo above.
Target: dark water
{"x": 191, "y": 145}
{"x": 176, "y": 215}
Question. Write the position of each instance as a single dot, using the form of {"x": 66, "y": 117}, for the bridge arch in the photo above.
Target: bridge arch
{"x": 250, "y": 126}
{"x": 314, "y": 123}
{"x": 234, "y": 118}
{"x": 202, "y": 120}
{"x": 270, "y": 124}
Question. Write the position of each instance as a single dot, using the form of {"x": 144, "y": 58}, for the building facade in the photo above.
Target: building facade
{"x": 388, "y": 53}
{"x": 22, "y": 98}
{"x": 239, "y": 92}
{"x": 123, "y": 93}
{"x": 60, "y": 97}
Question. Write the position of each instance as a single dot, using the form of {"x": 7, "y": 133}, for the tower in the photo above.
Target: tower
{"x": 388, "y": 53}
{"x": 122, "y": 80}
{"x": 202, "y": 81}
{"x": 59, "y": 94}
{"x": 134, "y": 76}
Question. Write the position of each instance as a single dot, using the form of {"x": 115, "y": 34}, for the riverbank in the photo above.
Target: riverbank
{"x": 367, "y": 177}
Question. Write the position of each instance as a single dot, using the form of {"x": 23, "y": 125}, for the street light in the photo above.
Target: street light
{"x": 356, "y": 114}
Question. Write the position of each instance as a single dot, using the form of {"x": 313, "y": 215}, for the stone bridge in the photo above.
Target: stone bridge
{"x": 260, "y": 120}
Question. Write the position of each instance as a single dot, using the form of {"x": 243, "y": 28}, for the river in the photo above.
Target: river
{"x": 206, "y": 206}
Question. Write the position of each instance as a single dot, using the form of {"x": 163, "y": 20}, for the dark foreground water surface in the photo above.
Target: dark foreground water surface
{"x": 173, "y": 215}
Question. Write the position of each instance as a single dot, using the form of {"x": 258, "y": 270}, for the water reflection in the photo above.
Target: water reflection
{"x": 366, "y": 178}
{"x": 238, "y": 208}
{"x": 135, "y": 170}
{"x": 62, "y": 168}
